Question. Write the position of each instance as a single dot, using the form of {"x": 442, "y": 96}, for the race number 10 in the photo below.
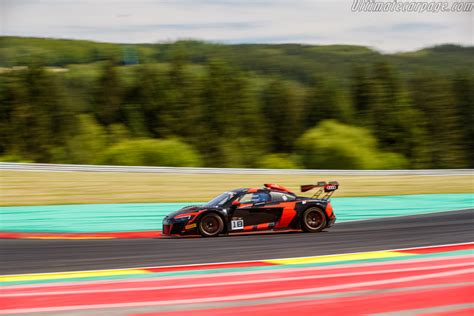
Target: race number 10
{"x": 238, "y": 224}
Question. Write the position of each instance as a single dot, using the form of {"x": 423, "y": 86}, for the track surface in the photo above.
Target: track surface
{"x": 28, "y": 256}
{"x": 427, "y": 280}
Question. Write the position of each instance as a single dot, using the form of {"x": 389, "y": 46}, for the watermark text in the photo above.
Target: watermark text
{"x": 411, "y": 6}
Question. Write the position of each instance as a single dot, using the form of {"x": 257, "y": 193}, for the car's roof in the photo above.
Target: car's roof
{"x": 240, "y": 190}
{"x": 244, "y": 190}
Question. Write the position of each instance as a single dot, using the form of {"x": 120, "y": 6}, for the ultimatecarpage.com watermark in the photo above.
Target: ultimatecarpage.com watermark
{"x": 411, "y": 6}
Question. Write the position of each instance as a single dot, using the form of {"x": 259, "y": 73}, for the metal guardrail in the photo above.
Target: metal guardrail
{"x": 190, "y": 170}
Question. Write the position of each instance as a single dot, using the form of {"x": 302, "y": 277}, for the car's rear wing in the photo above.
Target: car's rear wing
{"x": 328, "y": 188}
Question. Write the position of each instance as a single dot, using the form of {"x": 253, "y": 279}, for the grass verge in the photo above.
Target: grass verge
{"x": 44, "y": 188}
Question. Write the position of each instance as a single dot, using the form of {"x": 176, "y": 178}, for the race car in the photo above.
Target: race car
{"x": 272, "y": 207}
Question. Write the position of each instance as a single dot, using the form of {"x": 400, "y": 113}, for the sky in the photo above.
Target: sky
{"x": 233, "y": 21}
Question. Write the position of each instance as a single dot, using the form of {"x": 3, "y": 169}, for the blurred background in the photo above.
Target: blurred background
{"x": 132, "y": 88}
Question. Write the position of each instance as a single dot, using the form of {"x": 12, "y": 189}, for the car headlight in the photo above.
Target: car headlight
{"x": 183, "y": 218}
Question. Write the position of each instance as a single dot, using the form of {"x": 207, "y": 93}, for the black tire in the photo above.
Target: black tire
{"x": 313, "y": 220}
{"x": 211, "y": 225}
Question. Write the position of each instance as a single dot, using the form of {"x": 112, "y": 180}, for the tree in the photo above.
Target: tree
{"x": 360, "y": 91}
{"x": 183, "y": 99}
{"x": 332, "y": 145}
{"x": 279, "y": 161}
{"x": 108, "y": 96}
{"x": 383, "y": 105}
{"x": 434, "y": 97}
{"x": 36, "y": 117}
{"x": 463, "y": 88}
{"x": 230, "y": 126}
{"x": 151, "y": 152}
{"x": 282, "y": 116}
{"x": 325, "y": 101}
{"x": 146, "y": 103}
{"x": 12, "y": 96}
{"x": 86, "y": 146}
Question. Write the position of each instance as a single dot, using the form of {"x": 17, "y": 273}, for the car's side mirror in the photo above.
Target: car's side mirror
{"x": 236, "y": 203}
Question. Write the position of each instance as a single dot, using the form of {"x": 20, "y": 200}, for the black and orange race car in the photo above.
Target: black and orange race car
{"x": 272, "y": 207}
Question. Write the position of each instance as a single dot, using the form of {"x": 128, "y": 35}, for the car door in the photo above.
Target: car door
{"x": 283, "y": 206}
{"x": 252, "y": 211}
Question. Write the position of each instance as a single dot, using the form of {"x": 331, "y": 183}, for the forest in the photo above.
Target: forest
{"x": 193, "y": 103}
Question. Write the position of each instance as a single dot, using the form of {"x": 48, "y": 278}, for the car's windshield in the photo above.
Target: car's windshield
{"x": 221, "y": 199}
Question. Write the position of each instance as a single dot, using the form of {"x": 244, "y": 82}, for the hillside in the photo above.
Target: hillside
{"x": 294, "y": 61}
{"x": 193, "y": 103}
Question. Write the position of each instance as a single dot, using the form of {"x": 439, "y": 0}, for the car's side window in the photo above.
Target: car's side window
{"x": 281, "y": 197}
{"x": 256, "y": 197}
{"x": 246, "y": 198}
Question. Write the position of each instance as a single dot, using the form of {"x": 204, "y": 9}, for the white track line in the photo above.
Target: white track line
{"x": 185, "y": 286}
{"x": 240, "y": 296}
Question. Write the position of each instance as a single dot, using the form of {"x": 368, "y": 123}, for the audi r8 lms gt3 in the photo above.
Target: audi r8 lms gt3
{"x": 272, "y": 207}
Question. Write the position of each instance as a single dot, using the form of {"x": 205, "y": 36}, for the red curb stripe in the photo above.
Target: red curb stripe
{"x": 357, "y": 305}
{"x": 142, "y": 234}
{"x": 121, "y": 235}
{"x": 461, "y": 312}
{"x": 215, "y": 292}
{"x": 242, "y": 275}
{"x": 428, "y": 250}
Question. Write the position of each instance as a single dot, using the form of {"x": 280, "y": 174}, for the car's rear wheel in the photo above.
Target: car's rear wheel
{"x": 313, "y": 220}
{"x": 211, "y": 225}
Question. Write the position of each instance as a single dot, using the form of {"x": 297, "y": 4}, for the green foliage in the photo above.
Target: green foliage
{"x": 72, "y": 101}
{"x": 279, "y": 161}
{"x": 282, "y": 114}
{"x": 117, "y": 133}
{"x": 13, "y": 158}
{"x": 54, "y": 52}
{"x": 385, "y": 107}
{"x": 86, "y": 146}
{"x": 434, "y": 97}
{"x": 108, "y": 96}
{"x": 229, "y": 129}
{"x": 151, "y": 152}
{"x": 332, "y": 145}
{"x": 34, "y": 115}
{"x": 294, "y": 61}
{"x": 325, "y": 101}
{"x": 463, "y": 88}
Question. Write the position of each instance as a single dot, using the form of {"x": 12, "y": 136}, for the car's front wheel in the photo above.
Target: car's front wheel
{"x": 211, "y": 225}
{"x": 313, "y": 220}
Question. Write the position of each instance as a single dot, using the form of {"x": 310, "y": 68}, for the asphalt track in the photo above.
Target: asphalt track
{"x": 34, "y": 256}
